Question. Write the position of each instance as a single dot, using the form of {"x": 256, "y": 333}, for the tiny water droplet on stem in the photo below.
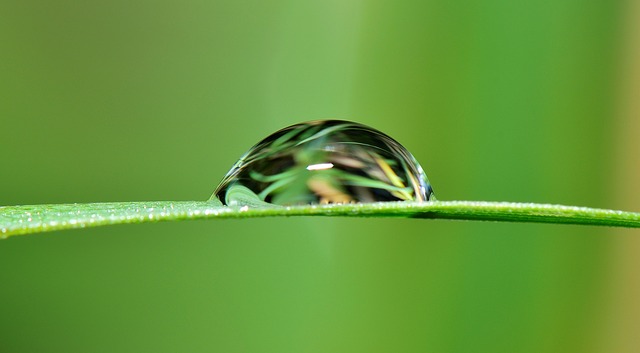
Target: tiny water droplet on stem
{"x": 323, "y": 162}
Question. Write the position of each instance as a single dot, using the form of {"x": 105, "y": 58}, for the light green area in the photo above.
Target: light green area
{"x": 143, "y": 100}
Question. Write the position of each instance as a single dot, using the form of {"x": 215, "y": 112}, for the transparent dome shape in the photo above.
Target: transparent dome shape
{"x": 324, "y": 162}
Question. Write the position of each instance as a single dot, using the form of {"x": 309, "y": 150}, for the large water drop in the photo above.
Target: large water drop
{"x": 326, "y": 161}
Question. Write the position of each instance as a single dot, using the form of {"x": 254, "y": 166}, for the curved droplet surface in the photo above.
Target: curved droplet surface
{"x": 326, "y": 161}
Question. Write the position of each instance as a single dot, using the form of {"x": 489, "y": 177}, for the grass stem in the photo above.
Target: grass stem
{"x": 17, "y": 220}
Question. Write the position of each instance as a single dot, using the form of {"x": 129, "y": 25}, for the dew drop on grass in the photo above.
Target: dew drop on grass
{"x": 320, "y": 162}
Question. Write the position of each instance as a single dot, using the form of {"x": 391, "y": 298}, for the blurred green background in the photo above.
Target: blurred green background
{"x": 155, "y": 100}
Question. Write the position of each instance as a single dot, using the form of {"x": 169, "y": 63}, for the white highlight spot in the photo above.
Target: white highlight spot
{"x": 320, "y": 166}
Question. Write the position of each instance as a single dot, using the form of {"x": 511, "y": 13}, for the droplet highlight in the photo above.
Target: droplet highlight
{"x": 324, "y": 162}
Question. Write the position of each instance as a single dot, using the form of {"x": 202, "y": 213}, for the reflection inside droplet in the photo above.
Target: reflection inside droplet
{"x": 320, "y": 166}
{"x": 321, "y": 162}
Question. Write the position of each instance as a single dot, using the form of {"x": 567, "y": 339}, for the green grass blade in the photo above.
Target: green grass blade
{"x": 16, "y": 220}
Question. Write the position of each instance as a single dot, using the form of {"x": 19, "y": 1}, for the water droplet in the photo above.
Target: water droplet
{"x": 327, "y": 161}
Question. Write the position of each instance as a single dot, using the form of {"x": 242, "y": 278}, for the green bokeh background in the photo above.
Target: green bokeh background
{"x": 145, "y": 100}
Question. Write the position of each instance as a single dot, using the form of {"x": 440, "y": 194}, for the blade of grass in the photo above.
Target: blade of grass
{"x": 16, "y": 220}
